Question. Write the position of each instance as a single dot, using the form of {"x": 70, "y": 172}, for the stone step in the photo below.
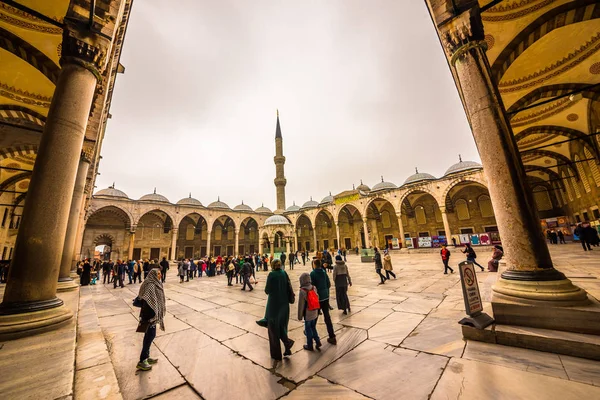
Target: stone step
{"x": 548, "y": 340}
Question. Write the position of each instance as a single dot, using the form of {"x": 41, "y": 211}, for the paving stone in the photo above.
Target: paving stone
{"x": 98, "y": 382}
{"x": 212, "y": 327}
{"x": 366, "y": 318}
{"x": 395, "y": 327}
{"x": 184, "y": 392}
{"x": 582, "y": 370}
{"x": 418, "y": 305}
{"x": 438, "y": 336}
{"x": 319, "y": 388}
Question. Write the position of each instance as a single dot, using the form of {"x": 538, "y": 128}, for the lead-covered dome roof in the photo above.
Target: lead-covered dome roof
{"x": 219, "y": 204}
{"x": 154, "y": 197}
{"x": 293, "y": 208}
{"x": 111, "y": 192}
{"x": 327, "y": 199}
{"x": 263, "y": 210}
{"x": 189, "y": 201}
{"x": 310, "y": 204}
{"x": 383, "y": 185}
{"x": 461, "y": 166}
{"x": 243, "y": 207}
{"x": 363, "y": 188}
{"x": 419, "y": 177}
{"x": 277, "y": 220}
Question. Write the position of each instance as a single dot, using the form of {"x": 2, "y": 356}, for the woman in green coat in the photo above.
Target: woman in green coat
{"x": 277, "y": 315}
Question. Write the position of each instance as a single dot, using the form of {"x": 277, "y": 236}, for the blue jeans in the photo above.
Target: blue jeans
{"x": 471, "y": 259}
{"x": 148, "y": 339}
{"x": 310, "y": 330}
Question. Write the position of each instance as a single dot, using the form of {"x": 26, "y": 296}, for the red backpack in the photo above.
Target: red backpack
{"x": 312, "y": 300}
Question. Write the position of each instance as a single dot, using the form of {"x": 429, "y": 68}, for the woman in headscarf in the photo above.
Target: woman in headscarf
{"x": 496, "y": 257}
{"x": 153, "y": 312}
{"x": 341, "y": 279}
{"x": 86, "y": 273}
{"x": 277, "y": 314}
{"x": 387, "y": 264}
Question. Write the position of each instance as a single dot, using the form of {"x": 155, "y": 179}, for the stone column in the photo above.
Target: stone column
{"x": 446, "y": 225}
{"x": 337, "y": 232}
{"x": 526, "y": 252}
{"x": 288, "y": 241}
{"x": 30, "y": 303}
{"x": 272, "y": 246}
{"x": 131, "y": 243}
{"x": 315, "y": 238}
{"x": 208, "y": 249}
{"x": 81, "y": 228}
{"x": 260, "y": 247}
{"x": 296, "y": 248}
{"x": 174, "y": 233}
{"x": 366, "y": 229}
{"x": 400, "y": 231}
{"x": 237, "y": 242}
{"x": 65, "y": 282}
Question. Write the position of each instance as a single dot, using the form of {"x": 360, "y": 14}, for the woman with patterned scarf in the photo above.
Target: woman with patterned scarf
{"x": 153, "y": 311}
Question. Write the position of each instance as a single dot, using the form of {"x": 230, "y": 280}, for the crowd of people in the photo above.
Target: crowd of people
{"x": 117, "y": 273}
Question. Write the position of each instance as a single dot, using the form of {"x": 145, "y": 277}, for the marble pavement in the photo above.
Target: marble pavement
{"x": 401, "y": 341}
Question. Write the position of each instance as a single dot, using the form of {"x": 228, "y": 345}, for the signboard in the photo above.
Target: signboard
{"x": 484, "y": 239}
{"x": 495, "y": 237}
{"x": 438, "y": 241}
{"x": 395, "y": 243}
{"x": 464, "y": 238}
{"x": 475, "y": 240}
{"x": 408, "y": 243}
{"x": 425, "y": 242}
{"x": 470, "y": 288}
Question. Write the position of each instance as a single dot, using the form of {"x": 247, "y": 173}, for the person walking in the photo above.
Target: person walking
{"x": 118, "y": 273}
{"x": 327, "y": 260}
{"x": 283, "y": 257}
{"x": 230, "y": 271}
{"x": 320, "y": 280}
{"x": 137, "y": 271}
{"x": 341, "y": 280}
{"x": 146, "y": 268}
{"x": 591, "y": 235}
{"x": 247, "y": 272}
{"x": 164, "y": 267}
{"x": 86, "y": 273}
{"x": 471, "y": 255}
{"x": 308, "y": 310}
{"x": 180, "y": 270}
{"x": 379, "y": 266}
{"x": 130, "y": 265}
{"x": 303, "y": 258}
{"x": 154, "y": 308}
{"x": 387, "y": 264}
{"x": 106, "y": 269}
{"x": 292, "y": 259}
{"x": 561, "y": 237}
{"x": 445, "y": 253}
{"x": 277, "y": 314}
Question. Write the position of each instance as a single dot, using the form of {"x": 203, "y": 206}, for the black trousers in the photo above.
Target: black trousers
{"x": 118, "y": 278}
{"x": 584, "y": 243}
{"x": 274, "y": 338}
{"x": 105, "y": 275}
{"x": 388, "y": 273}
{"x": 229, "y": 277}
{"x": 148, "y": 339}
{"x": 164, "y": 276}
{"x": 383, "y": 278}
{"x": 446, "y": 267}
{"x": 137, "y": 276}
{"x": 325, "y": 310}
{"x": 247, "y": 282}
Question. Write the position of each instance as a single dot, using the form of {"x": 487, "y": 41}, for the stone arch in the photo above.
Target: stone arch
{"x": 222, "y": 235}
{"x": 564, "y": 160}
{"x": 453, "y": 183}
{"x": 350, "y": 223}
{"x": 14, "y": 151}
{"x": 325, "y": 229}
{"x": 582, "y": 174}
{"x": 552, "y": 91}
{"x": 248, "y": 238}
{"x": 30, "y": 54}
{"x": 105, "y": 239}
{"x": 191, "y": 243}
{"x": 115, "y": 209}
{"x": 14, "y": 180}
{"x": 20, "y": 115}
{"x": 562, "y": 131}
{"x": 153, "y": 208}
{"x": 469, "y": 208}
{"x": 304, "y": 230}
{"x": 382, "y": 222}
{"x": 566, "y": 14}
{"x": 541, "y": 197}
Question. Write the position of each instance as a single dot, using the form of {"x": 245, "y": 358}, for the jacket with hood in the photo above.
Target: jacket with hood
{"x": 320, "y": 279}
{"x": 387, "y": 262}
{"x": 303, "y": 311}
{"x": 341, "y": 276}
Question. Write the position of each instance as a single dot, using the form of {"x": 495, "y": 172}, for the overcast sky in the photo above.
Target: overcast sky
{"x": 362, "y": 87}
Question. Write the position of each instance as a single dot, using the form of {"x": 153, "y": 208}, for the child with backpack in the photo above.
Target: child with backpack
{"x": 308, "y": 309}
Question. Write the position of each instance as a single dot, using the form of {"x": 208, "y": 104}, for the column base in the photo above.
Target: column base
{"x": 66, "y": 285}
{"x": 25, "y": 319}
{"x": 559, "y": 293}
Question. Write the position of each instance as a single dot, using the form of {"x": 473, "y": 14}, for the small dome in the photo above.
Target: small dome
{"x": 327, "y": 199}
{"x": 310, "y": 204}
{"x": 383, "y": 185}
{"x": 461, "y": 166}
{"x": 293, "y": 208}
{"x": 418, "y": 177}
{"x": 219, "y": 204}
{"x": 189, "y": 201}
{"x": 111, "y": 192}
{"x": 263, "y": 210}
{"x": 154, "y": 197}
{"x": 277, "y": 220}
{"x": 363, "y": 188}
{"x": 243, "y": 207}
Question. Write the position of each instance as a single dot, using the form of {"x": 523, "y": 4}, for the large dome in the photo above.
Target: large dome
{"x": 243, "y": 207}
{"x": 418, "y": 177}
{"x": 310, "y": 204}
{"x": 293, "y": 208}
{"x": 363, "y": 188}
{"x": 219, "y": 204}
{"x": 189, "y": 201}
{"x": 154, "y": 197}
{"x": 461, "y": 166}
{"x": 263, "y": 210}
{"x": 327, "y": 199}
{"x": 277, "y": 220}
{"x": 111, "y": 192}
{"x": 383, "y": 185}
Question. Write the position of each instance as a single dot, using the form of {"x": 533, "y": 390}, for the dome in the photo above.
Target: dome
{"x": 243, "y": 207}
{"x": 461, "y": 166}
{"x": 263, "y": 210}
{"x": 310, "y": 204}
{"x": 362, "y": 187}
{"x": 418, "y": 177}
{"x": 154, "y": 197}
{"x": 383, "y": 185}
{"x": 293, "y": 208}
{"x": 189, "y": 201}
{"x": 277, "y": 220}
{"x": 111, "y": 192}
{"x": 219, "y": 204}
{"x": 327, "y": 199}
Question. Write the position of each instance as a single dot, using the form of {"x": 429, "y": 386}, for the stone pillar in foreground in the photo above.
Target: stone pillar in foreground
{"x": 401, "y": 231}
{"x": 296, "y": 241}
{"x": 272, "y": 246}
{"x": 131, "y": 243}
{"x": 237, "y": 242}
{"x": 288, "y": 241}
{"x": 337, "y": 232}
{"x": 366, "y": 229}
{"x": 174, "y": 243}
{"x": 447, "y": 230}
{"x": 65, "y": 282}
{"x": 30, "y": 304}
{"x": 315, "y": 238}
{"x": 530, "y": 275}
{"x": 208, "y": 249}
{"x": 77, "y": 254}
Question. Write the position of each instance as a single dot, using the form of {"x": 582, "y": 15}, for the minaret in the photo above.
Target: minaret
{"x": 279, "y": 159}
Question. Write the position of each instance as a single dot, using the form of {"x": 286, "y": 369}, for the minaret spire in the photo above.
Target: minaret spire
{"x": 279, "y": 160}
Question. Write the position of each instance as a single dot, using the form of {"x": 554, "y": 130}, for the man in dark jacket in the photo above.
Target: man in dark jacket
{"x": 164, "y": 267}
{"x": 292, "y": 259}
{"x": 106, "y": 268}
{"x": 118, "y": 272}
{"x": 246, "y": 272}
{"x": 283, "y": 257}
{"x": 583, "y": 238}
{"x": 320, "y": 280}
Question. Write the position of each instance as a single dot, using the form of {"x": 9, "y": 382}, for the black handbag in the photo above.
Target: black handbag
{"x": 143, "y": 326}
{"x": 137, "y": 302}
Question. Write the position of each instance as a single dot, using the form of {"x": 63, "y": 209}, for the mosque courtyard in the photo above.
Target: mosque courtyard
{"x": 401, "y": 341}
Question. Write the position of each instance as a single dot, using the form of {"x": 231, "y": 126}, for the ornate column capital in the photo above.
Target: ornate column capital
{"x": 87, "y": 154}
{"x": 443, "y": 209}
{"x": 132, "y": 229}
{"x": 84, "y": 48}
{"x": 462, "y": 33}
{"x": 89, "y": 187}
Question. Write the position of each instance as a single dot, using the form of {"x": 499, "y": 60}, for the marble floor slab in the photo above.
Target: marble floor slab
{"x": 319, "y": 388}
{"x": 184, "y": 392}
{"x": 366, "y": 318}
{"x": 437, "y": 336}
{"x": 380, "y": 374}
{"x": 98, "y": 382}
{"x": 394, "y": 328}
{"x": 418, "y": 305}
{"x": 212, "y": 327}
{"x": 582, "y": 370}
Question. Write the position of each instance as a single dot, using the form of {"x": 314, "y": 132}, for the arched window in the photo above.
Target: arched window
{"x": 462, "y": 209}
{"x": 242, "y": 234}
{"x": 542, "y": 198}
{"x": 593, "y": 166}
{"x": 485, "y": 206}
{"x": 575, "y": 186}
{"x": 582, "y": 175}
{"x": 558, "y": 194}
{"x": 252, "y": 234}
{"x": 230, "y": 232}
{"x": 189, "y": 232}
{"x": 420, "y": 215}
{"x": 204, "y": 234}
{"x": 218, "y": 232}
{"x": 385, "y": 219}
{"x": 567, "y": 186}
